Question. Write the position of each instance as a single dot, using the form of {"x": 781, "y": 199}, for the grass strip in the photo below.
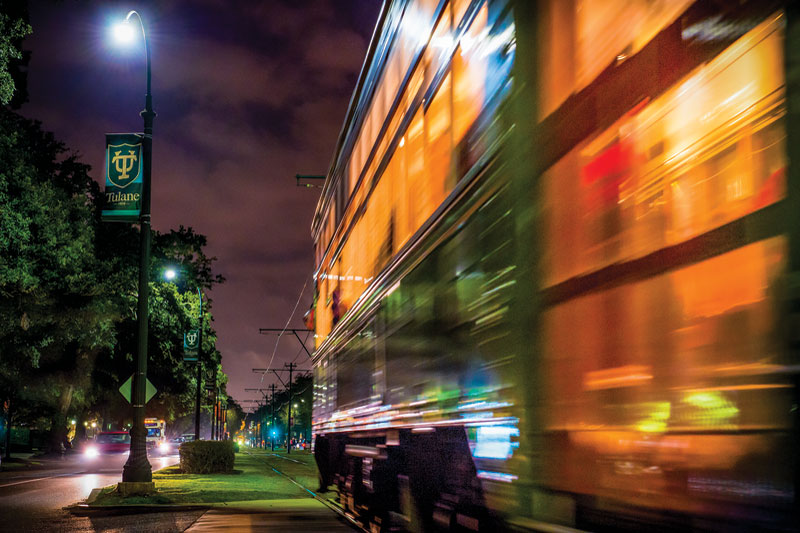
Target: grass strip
{"x": 252, "y": 479}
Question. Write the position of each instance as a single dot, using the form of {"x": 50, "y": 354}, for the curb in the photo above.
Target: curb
{"x": 85, "y": 509}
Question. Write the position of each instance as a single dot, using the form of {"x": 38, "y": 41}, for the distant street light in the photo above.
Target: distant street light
{"x": 170, "y": 274}
{"x": 137, "y": 468}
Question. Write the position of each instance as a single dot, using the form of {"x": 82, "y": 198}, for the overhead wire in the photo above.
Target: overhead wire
{"x": 285, "y": 327}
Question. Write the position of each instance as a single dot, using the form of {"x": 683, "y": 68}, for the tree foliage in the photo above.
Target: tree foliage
{"x": 55, "y": 313}
{"x": 13, "y": 28}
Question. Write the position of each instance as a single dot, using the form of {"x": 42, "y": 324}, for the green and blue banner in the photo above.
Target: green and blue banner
{"x": 191, "y": 345}
{"x": 123, "y": 195}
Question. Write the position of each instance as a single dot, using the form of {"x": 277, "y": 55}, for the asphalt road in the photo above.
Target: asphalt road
{"x": 32, "y": 501}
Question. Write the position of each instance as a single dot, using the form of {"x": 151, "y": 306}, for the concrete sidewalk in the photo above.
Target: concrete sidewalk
{"x": 307, "y": 515}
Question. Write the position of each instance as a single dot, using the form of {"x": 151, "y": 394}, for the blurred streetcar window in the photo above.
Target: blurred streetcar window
{"x": 703, "y": 154}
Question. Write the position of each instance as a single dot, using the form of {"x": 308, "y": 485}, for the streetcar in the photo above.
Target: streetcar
{"x": 557, "y": 254}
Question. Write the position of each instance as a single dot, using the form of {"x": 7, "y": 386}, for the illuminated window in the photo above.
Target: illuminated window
{"x": 469, "y": 75}
{"x": 584, "y": 37}
{"x": 705, "y": 153}
{"x": 417, "y": 175}
{"x": 438, "y": 147}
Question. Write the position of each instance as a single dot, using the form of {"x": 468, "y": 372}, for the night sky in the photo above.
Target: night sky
{"x": 248, "y": 94}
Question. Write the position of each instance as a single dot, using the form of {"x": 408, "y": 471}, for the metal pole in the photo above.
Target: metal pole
{"x": 289, "y": 424}
{"x": 216, "y": 412}
{"x": 8, "y": 429}
{"x": 199, "y": 372}
{"x": 272, "y": 407}
{"x": 137, "y": 468}
{"x": 214, "y": 417}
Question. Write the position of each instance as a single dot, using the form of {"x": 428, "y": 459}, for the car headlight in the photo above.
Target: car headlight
{"x": 91, "y": 451}
{"x": 163, "y": 447}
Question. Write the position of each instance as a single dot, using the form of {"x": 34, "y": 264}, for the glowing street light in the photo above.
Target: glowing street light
{"x": 123, "y": 32}
{"x": 137, "y": 469}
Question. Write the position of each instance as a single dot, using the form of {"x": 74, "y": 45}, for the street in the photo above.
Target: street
{"x": 33, "y": 500}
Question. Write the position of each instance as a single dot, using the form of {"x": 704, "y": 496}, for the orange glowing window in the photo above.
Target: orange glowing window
{"x": 469, "y": 75}
{"x": 708, "y": 151}
{"x": 438, "y": 147}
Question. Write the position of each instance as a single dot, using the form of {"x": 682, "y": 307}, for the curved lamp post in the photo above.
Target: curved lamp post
{"x": 170, "y": 275}
{"x": 137, "y": 468}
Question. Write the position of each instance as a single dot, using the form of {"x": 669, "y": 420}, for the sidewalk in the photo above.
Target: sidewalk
{"x": 306, "y": 515}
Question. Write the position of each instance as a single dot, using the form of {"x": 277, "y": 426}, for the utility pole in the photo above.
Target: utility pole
{"x": 199, "y": 370}
{"x": 272, "y": 422}
{"x": 291, "y": 367}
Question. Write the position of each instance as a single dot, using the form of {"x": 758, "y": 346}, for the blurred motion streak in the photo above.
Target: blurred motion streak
{"x": 555, "y": 269}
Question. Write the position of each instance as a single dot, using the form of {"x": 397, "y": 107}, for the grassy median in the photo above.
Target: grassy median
{"x": 253, "y": 478}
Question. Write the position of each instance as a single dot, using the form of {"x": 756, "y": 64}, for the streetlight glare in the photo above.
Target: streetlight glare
{"x": 170, "y": 274}
{"x": 124, "y": 32}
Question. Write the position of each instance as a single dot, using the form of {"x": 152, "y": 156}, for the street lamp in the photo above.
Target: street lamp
{"x": 170, "y": 274}
{"x": 137, "y": 468}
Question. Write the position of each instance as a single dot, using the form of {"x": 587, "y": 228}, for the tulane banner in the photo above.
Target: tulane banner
{"x": 123, "y": 198}
{"x": 191, "y": 344}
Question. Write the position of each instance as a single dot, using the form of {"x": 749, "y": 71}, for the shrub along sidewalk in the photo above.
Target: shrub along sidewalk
{"x": 251, "y": 479}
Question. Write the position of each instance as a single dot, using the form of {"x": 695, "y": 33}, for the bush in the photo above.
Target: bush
{"x": 207, "y": 457}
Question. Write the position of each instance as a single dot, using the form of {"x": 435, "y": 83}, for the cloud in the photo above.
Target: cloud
{"x": 333, "y": 48}
{"x": 222, "y": 74}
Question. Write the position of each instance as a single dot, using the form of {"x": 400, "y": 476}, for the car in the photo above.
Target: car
{"x": 108, "y": 442}
{"x": 187, "y": 437}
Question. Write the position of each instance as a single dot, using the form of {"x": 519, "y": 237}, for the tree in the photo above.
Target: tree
{"x": 13, "y": 28}
{"x": 235, "y": 417}
{"x": 55, "y": 313}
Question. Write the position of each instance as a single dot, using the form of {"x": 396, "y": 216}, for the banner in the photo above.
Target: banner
{"x": 123, "y": 196}
{"x": 191, "y": 344}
